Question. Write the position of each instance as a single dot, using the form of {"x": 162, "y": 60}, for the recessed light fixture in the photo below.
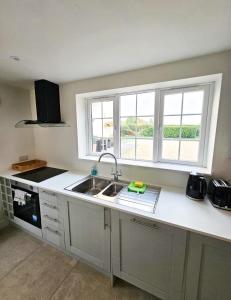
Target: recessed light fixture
{"x": 15, "y": 58}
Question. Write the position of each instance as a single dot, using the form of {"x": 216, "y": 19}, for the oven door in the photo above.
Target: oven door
{"x": 30, "y": 212}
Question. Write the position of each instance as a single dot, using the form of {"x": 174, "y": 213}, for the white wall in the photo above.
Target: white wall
{"x": 59, "y": 145}
{"x": 14, "y": 142}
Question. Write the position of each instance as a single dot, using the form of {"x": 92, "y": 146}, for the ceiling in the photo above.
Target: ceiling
{"x": 69, "y": 40}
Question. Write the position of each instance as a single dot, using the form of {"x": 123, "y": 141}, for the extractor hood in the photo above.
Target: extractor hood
{"x": 47, "y": 105}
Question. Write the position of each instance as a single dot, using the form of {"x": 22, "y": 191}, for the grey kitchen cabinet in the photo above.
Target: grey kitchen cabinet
{"x": 209, "y": 269}
{"x": 149, "y": 255}
{"x": 87, "y": 232}
{"x": 51, "y": 217}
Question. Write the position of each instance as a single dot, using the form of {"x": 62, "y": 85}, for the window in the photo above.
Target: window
{"x": 183, "y": 117}
{"x": 137, "y": 126}
{"x": 102, "y": 126}
{"x": 162, "y": 125}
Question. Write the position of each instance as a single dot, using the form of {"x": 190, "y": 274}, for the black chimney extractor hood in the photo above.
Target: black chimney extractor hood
{"x": 47, "y": 105}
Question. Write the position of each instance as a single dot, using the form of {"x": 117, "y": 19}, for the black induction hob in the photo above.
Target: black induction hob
{"x": 41, "y": 174}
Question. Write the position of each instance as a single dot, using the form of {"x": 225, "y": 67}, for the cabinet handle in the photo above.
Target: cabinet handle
{"x": 48, "y": 193}
{"x": 51, "y": 219}
{"x": 49, "y": 205}
{"x": 52, "y": 230}
{"x": 137, "y": 221}
{"x": 106, "y": 224}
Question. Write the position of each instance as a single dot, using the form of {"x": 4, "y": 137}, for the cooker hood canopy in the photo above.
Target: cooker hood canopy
{"x": 47, "y": 105}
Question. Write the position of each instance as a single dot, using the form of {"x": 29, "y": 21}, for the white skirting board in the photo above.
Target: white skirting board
{"x": 36, "y": 231}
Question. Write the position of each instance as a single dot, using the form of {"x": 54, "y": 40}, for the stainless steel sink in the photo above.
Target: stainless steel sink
{"x": 113, "y": 190}
{"x": 117, "y": 192}
{"x": 91, "y": 186}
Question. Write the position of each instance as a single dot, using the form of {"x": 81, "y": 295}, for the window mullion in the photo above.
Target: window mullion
{"x": 116, "y": 125}
{"x": 160, "y": 112}
{"x": 181, "y": 116}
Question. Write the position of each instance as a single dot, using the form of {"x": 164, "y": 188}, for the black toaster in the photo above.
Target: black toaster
{"x": 219, "y": 193}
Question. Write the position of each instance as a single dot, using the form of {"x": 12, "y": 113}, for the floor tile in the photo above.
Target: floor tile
{"x": 86, "y": 283}
{"x": 38, "y": 277}
{"x": 15, "y": 246}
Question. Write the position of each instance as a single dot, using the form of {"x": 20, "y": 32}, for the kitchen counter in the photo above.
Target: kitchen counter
{"x": 172, "y": 208}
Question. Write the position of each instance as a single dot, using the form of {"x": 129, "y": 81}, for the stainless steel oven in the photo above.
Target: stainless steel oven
{"x": 26, "y": 203}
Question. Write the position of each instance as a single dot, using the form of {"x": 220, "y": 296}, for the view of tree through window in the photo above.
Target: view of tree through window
{"x": 181, "y": 125}
{"x": 137, "y": 126}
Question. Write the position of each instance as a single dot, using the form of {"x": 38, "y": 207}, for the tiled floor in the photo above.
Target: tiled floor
{"x": 31, "y": 269}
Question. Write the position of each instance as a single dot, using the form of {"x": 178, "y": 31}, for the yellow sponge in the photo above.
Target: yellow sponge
{"x": 139, "y": 184}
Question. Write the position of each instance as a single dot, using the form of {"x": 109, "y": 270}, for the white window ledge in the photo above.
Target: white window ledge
{"x": 149, "y": 164}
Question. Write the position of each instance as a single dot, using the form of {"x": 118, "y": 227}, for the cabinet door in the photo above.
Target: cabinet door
{"x": 209, "y": 269}
{"x": 149, "y": 255}
{"x": 87, "y": 232}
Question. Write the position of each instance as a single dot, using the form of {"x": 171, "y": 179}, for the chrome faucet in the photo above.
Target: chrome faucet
{"x": 116, "y": 173}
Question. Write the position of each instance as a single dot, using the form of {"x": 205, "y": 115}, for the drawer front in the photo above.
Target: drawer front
{"x": 54, "y": 236}
{"x": 50, "y": 212}
{"x": 51, "y": 222}
{"x": 46, "y": 196}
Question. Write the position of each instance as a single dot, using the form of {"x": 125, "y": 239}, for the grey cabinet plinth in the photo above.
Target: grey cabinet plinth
{"x": 149, "y": 255}
{"x": 87, "y": 232}
{"x": 209, "y": 269}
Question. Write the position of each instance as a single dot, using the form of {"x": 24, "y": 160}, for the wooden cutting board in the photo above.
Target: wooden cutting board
{"x": 29, "y": 165}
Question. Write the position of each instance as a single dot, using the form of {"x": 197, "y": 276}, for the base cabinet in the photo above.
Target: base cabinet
{"x": 209, "y": 269}
{"x": 52, "y": 219}
{"x": 149, "y": 255}
{"x": 87, "y": 232}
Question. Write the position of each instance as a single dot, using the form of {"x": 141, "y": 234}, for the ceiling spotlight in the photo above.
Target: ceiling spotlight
{"x": 15, "y": 58}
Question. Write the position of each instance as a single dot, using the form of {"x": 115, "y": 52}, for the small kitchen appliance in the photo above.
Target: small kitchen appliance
{"x": 219, "y": 193}
{"x": 196, "y": 187}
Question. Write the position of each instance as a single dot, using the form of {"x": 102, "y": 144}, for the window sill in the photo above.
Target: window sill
{"x": 154, "y": 165}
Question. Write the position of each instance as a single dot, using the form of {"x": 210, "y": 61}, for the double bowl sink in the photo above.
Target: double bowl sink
{"x": 117, "y": 192}
{"x": 97, "y": 186}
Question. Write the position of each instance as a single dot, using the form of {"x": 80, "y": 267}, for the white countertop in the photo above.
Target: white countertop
{"x": 172, "y": 208}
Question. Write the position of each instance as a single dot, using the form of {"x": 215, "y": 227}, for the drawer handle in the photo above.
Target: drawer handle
{"x": 51, "y": 219}
{"x": 48, "y": 193}
{"x": 153, "y": 226}
{"x": 49, "y": 205}
{"x": 52, "y": 230}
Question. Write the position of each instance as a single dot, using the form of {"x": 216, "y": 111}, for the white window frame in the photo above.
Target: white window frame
{"x": 208, "y": 87}
{"x": 118, "y": 122}
{"x": 89, "y": 121}
{"x": 204, "y": 131}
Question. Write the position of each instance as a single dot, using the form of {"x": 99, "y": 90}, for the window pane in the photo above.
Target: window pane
{"x": 193, "y": 102}
{"x": 145, "y": 126}
{"x": 108, "y": 109}
{"x": 102, "y": 145}
{"x": 128, "y": 148}
{"x": 96, "y": 110}
{"x": 97, "y": 128}
{"x": 171, "y": 128}
{"x": 128, "y": 126}
{"x": 172, "y": 104}
{"x": 128, "y": 105}
{"x": 144, "y": 149}
{"x": 108, "y": 128}
{"x": 170, "y": 150}
{"x": 97, "y": 144}
{"x": 189, "y": 150}
{"x": 191, "y": 127}
{"x": 145, "y": 104}
{"x": 108, "y": 145}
